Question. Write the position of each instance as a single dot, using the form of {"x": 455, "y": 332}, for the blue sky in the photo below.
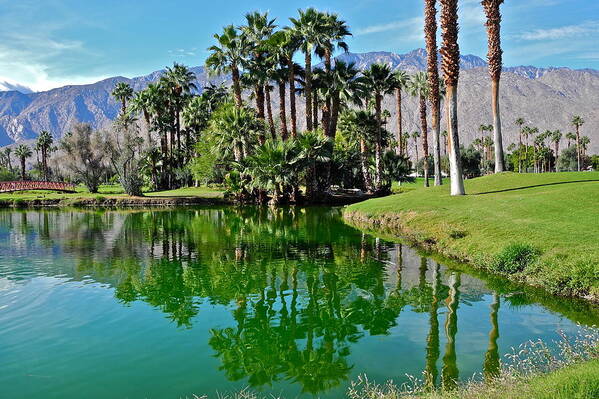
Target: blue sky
{"x": 50, "y": 43}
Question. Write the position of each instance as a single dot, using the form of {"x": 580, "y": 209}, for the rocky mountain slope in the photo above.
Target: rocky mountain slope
{"x": 544, "y": 97}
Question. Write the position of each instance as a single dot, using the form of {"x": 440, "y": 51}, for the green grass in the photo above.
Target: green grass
{"x": 554, "y": 216}
{"x": 108, "y": 191}
{"x": 82, "y": 192}
{"x": 404, "y": 187}
{"x": 203, "y": 192}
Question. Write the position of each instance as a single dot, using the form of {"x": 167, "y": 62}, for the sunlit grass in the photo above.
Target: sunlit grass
{"x": 556, "y": 213}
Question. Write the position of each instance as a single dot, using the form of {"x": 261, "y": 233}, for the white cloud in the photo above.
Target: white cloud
{"x": 181, "y": 53}
{"x": 563, "y": 32}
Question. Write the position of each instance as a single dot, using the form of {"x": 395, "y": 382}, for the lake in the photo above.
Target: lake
{"x": 292, "y": 302}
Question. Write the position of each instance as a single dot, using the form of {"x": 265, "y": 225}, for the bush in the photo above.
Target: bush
{"x": 515, "y": 258}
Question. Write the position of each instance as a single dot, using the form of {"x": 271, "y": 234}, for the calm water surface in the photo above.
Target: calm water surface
{"x": 167, "y": 303}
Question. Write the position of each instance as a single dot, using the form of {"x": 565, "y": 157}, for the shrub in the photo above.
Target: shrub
{"x": 515, "y": 258}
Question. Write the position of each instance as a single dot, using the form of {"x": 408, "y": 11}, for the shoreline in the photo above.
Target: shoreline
{"x": 390, "y": 227}
{"x": 19, "y": 203}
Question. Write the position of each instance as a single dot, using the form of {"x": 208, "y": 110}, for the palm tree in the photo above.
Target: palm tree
{"x": 494, "y": 58}
{"x": 45, "y": 141}
{"x": 556, "y": 137}
{"x": 229, "y": 56}
{"x": 257, "y": 31}
{"x": 401, "y": 82}
{"x": 178, "y": 81}
{"x": 23, "y": 152}
{"x": 309, "y": 28}
{"x": 419, "y": 87}
{"x": 450, "y": 52}
{"x": 7, "y": 152}
{"x": 577, "y": 122}
{"x": 378, "y": 80}
{"x": 445, "y": 143}
{"x": 345, "y": 90}
{"x": 284, "y": 44}
{"x": 405, "y": 138}
{"x": 333, "y": 34}
{"x": 571, "y": 137}
{"x": 430, "y": 33}
{"x": 415, "y": 136}
{"x": 584, "y": 143}
{"x": 520, "y": 122}
{"x": 313, "y": 149}
{"x": 123, "y": 93}
{"x": 236, "y": 130}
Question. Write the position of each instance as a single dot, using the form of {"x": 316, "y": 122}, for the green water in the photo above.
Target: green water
{"x": 292, "y": 302}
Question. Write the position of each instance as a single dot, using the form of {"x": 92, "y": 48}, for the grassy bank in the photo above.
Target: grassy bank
{"x": 111, "y": 195}
{"x": 542, "y": 229}
{"x": 575, "y": 381}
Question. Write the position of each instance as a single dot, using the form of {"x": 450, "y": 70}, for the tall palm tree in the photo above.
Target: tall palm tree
{"x": 7, "y": 152}
{"x": 229, "y": 56}
{"x": 415, "y": 137}
{"x": 571, "y": 137}
{"x": 309, "y": 28}
{"x": 284, "y": 44}
{"x": 556, "y": 137}
{"x": 430, "y": 34}
{"x": 379, "y": 81}
{"x": 333, "y": 34}
{"x": 345, "y": 90}
{"x": 23, "y": 152}
{"x": 494, "y": 58}
{"x": 259, "y": 27}
{"x": 519, "y": 122}
{"x": 445, "y": 142}
{"x": 401, "y": 82}
{"x": 123, "y": 93}
{"x": 450, "y": 52}
{"x": 179, "y": 81}
{"x": 577, "y": 122}
{"x": 419, "y": 88}
{"x": 45, "y": 141}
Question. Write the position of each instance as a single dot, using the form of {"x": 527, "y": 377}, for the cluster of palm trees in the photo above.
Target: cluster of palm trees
{"x": 534, "y": 147}
{"x": 43, "y": 146}
{"x": 260, "y": 57}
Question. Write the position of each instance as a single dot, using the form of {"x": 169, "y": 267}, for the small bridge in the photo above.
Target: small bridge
{"x": 10, "y": 186}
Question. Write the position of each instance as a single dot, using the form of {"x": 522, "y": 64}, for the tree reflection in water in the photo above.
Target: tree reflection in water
{"x": 301, "y": 286}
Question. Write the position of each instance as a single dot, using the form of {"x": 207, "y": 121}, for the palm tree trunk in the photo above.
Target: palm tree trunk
{"x": 578, "y": 148}
{"x": 556, "y": 154}
{"x": 308, "y": 88}
{"x": 424, "y": 128}
{"x": 399, "y": 120}
{"x": 497, "y": 137}
{"x": 430, "y": 33}
{"x": 335, "y": 107}
{"x": 292, "y": 98}
{"x": 378, "y": 148}
{"x": 22, "y": 168}
{"x": 315, "y": 112}
{"x": 436, "y": 129}
{"x": 271, "y": 122}
{"x": 364, "y": 164}
{"x": 455, "y": 160}
{"x": 520, "y": 152}
{"x": 282, "y": 110}
{"x": 236, "y": 85}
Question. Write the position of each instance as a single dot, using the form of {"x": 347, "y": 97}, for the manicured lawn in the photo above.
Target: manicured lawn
{"x": 82, "y": 192}
{"x": 203, "y": 192}
{"x": 557, "y": 214}
{"x": 110, "y": 191}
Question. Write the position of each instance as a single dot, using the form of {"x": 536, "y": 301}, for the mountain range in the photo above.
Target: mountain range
{"x": 545, "y": 97}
